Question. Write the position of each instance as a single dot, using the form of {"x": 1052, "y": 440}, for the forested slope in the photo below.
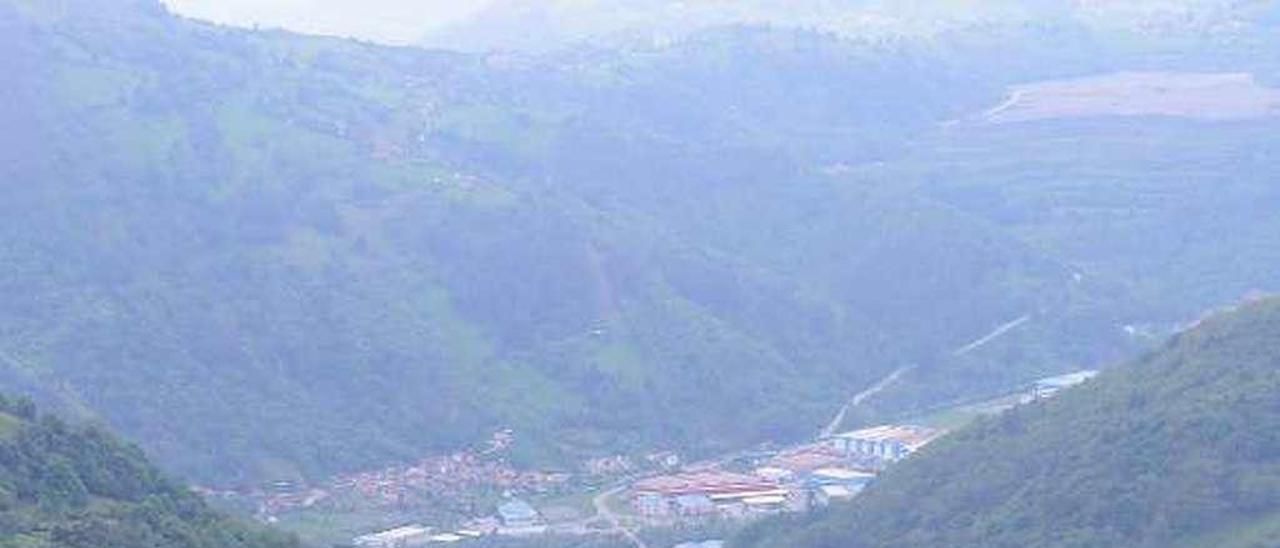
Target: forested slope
{"x": 266, "y": 255}
{"x": 64, "y": 486}
{"x": 1179, "y": 448}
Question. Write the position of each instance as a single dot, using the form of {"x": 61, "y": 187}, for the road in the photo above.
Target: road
{"x": 999, "y": 332}
{"x": 1008, "y": 104}
{"x": 601, "y": 503}
{"x": 886, "y": 382}
{"x": 861, "y": 397}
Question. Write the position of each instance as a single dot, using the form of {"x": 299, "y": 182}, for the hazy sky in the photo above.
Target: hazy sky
{"x": 395, "y": 21}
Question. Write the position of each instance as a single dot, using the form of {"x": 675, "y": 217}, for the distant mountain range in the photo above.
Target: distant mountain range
{"x": 545, "y": 25}
{"x": 1180, "y": 448}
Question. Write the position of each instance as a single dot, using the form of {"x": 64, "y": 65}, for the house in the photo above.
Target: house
{"x": 703, "y": 544}
{"x": 836, "y": 484}
{"x": 664, "y": 459}
{"x": 1049, "y": 387}
{"x": 887, "y": 443}
{"x": 841, "y": 476}
{"x": 518, "y": 514}
{"x": 694, "y": 505}
{"x": 400, "y": 537}
{"x": 828, "y": 494}
{"x": 607, "y": 466}
{"x": 652, "y": 504}
{"x": 766, "y": 504}
{"x": 775, "y": 474}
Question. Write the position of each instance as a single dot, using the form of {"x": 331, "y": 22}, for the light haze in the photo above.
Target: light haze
{"x": 387, "y": 21}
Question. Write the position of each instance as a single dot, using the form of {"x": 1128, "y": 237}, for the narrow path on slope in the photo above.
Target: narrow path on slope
{"x": 999, "y": 332}
{"x": 1011, "y": 101}
{"x": 862, "y": 396}
{"x": 888, "y": 381}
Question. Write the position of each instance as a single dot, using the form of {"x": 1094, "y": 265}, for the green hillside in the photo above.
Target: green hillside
{"x": 67, "y": 486}
{"x": 1179, "y": 448}
{"x": 266, "y": 255}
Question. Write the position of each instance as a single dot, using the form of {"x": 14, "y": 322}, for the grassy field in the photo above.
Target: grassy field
{"x": 1260, "y": 532}
{"x": 952, "y": 418}
{"x": 337, "y": 528}
{"x": 1179, "y": 95}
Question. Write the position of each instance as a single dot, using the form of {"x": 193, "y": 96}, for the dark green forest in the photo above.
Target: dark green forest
{"x": 271, "y": 256}
{"x": 66, "y": 486}
{"x": 1180, "y": 448}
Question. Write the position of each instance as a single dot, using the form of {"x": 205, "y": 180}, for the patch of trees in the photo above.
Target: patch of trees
{"x": 1183, "y": 444}
{"x": 68, "y": 486}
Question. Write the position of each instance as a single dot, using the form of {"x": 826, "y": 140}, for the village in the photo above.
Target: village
{"x": 472, "y": 494}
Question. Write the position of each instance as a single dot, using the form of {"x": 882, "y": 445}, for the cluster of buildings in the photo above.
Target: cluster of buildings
{"x": 443, "y": 481}
{"x": 515, "y": 517}
{"x": 618, "y": 465}
{"x": 796, "y": 480}
{"x": 709, "y": 493}
{"x": 282, "y": 496}
{"x": 446, "y": 477}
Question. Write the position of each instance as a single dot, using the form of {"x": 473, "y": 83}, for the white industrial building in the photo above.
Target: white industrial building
{"x": 400, "y": 537}
{"x": 889, "y": 443}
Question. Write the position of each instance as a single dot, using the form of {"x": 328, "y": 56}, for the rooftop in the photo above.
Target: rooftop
{"x": 703, "y": 483}
{"x": 394, "y": 535}
{"x": 517, "y": 510}
{"x": 766, "y": 500}
{"x": 911, "y": 436}
{"x": 836, "y": 491}
{"x": 843, "y": 474}
{"x": 1064, "y": 381}
{"x": 693, "y": 500}
{"x": 744, "y": 495}
{"x": 806, "y": 458}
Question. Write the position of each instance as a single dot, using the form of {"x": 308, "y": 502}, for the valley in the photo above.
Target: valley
{"x": 459, "y": 498}
{"x": 641, "y": 273}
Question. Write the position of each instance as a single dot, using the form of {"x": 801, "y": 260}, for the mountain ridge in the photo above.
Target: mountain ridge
{"x": 1176, "y": 448}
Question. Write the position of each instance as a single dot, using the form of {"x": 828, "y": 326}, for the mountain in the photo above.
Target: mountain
{"x": 266, "y": 255}
{"x": 548, "y": 25}
{"x": 1179, "y": 448}
{"x": 65, "y": 486}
